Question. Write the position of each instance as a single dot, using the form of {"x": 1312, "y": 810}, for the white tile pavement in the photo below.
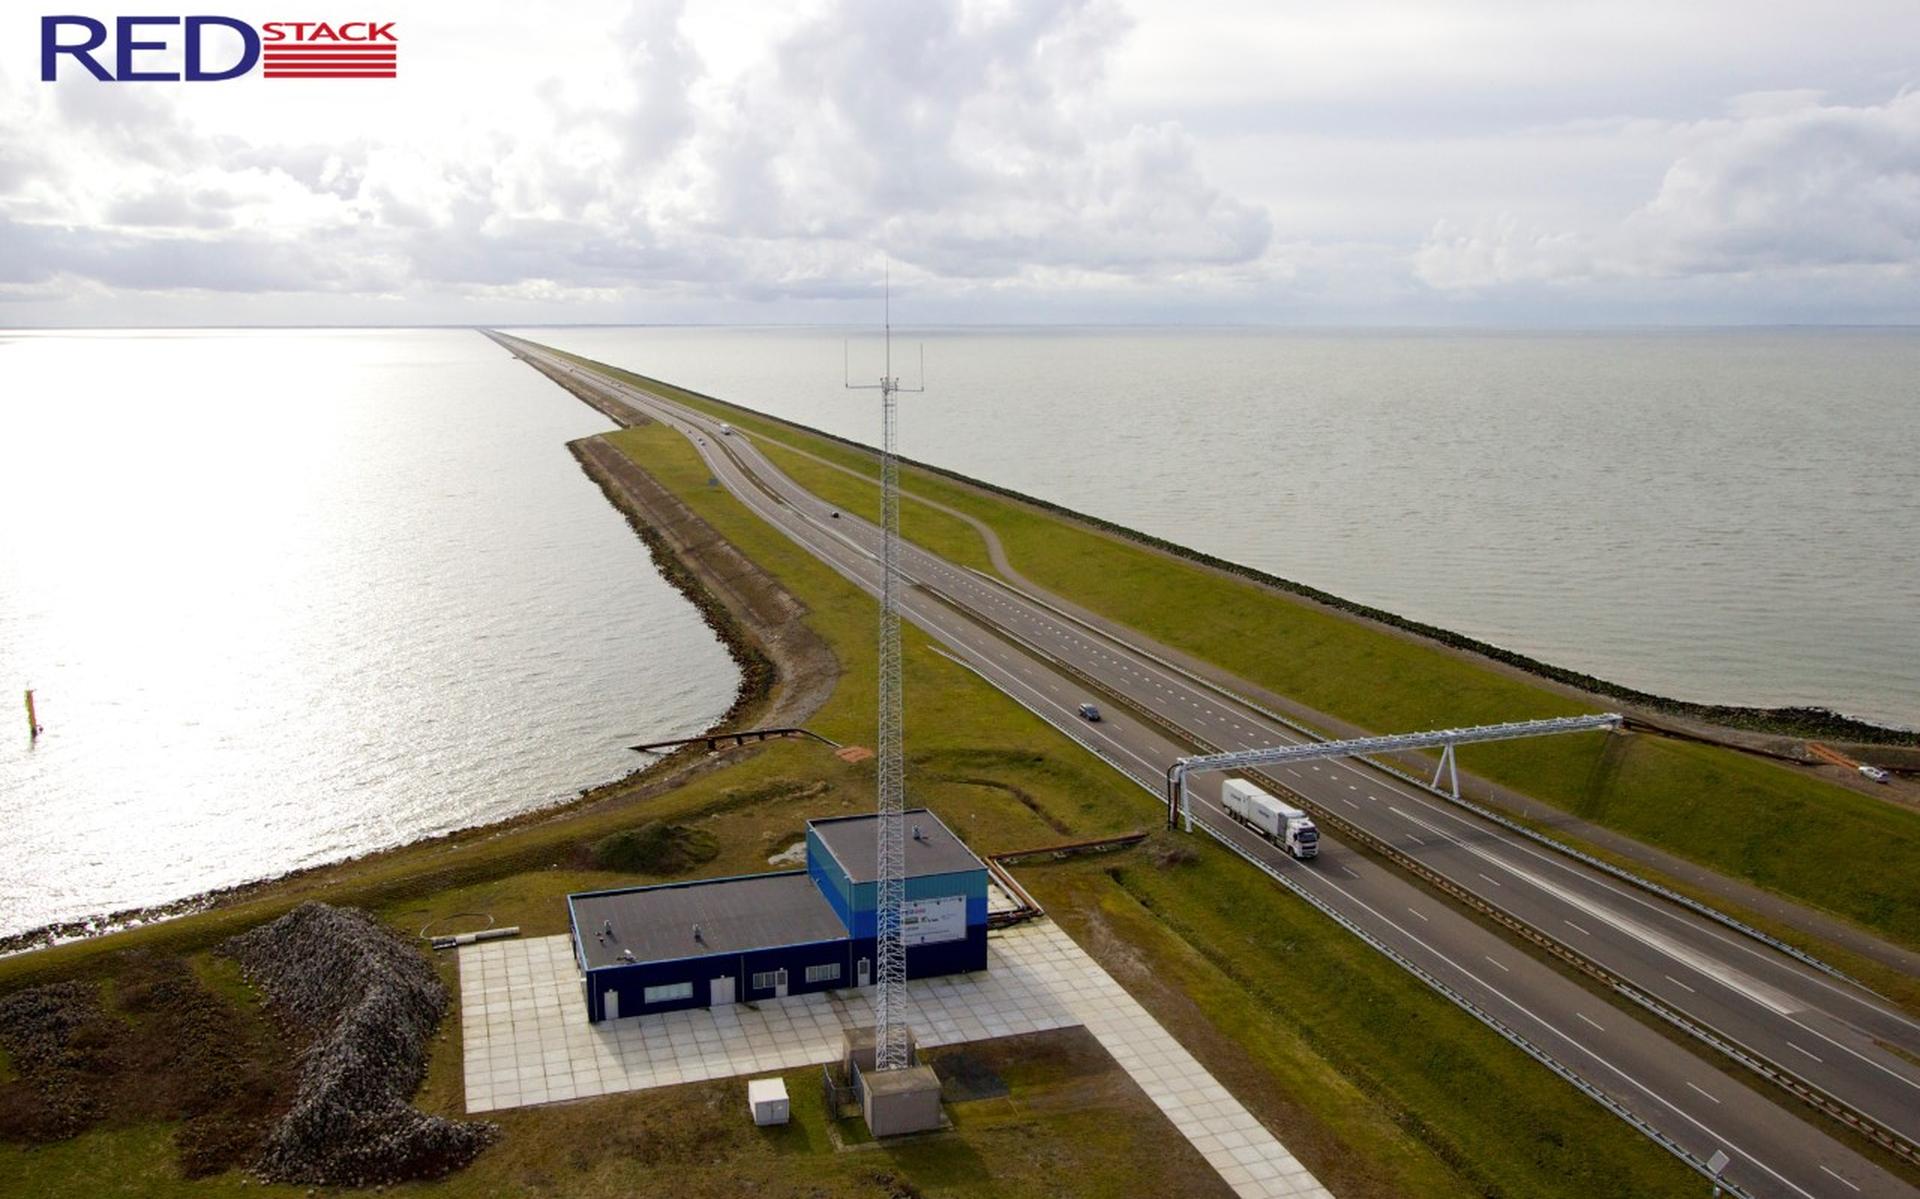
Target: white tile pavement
{"x": 527, "y": 1039}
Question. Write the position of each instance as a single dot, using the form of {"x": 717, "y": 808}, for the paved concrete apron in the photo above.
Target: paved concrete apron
{"x": 527, "y": 1039}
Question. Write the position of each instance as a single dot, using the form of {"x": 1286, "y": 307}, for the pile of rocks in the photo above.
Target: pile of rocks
{"x": 370, "y": 1002}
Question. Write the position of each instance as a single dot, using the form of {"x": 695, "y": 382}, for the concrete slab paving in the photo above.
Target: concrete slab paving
{"x": 527, "y": 1039}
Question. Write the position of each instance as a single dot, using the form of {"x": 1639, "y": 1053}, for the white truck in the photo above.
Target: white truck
{"x": 1285, "y": 826}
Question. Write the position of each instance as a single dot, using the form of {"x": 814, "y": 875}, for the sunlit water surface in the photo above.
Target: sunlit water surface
{"x": 1722, "y": 516}
{"x": 291, "y": 596}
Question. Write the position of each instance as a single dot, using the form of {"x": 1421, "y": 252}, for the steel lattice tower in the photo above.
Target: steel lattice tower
{"x": 890, "y": 952}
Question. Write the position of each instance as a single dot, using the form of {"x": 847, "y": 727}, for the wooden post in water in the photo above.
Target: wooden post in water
{"x": 33, "y": 722}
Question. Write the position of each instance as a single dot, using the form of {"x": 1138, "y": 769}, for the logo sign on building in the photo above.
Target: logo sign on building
{"x": 930, "y": 921}
{"x": 141, "y": 49}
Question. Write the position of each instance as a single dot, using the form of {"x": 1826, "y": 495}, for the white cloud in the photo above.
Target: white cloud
{"x": 1790, "y": 182}
{"x": 967, "y": 140}
{"x": 1785, "y": 185}
{"x": 1039, "y": 159}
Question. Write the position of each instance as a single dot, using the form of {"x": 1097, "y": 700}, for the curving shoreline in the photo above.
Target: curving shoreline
{"x": 786, "y": 673}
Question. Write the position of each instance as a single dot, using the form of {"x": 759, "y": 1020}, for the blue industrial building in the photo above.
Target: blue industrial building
{"x": 764, "y": 936}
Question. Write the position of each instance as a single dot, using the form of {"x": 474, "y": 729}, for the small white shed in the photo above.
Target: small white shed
{"x": 767, "y": 1098}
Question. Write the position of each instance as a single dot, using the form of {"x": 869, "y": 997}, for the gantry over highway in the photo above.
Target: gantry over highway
{"x": 1741, "y": 1005}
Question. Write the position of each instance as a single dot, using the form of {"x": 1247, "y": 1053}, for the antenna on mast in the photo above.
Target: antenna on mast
{"x": 891, "y": 1046}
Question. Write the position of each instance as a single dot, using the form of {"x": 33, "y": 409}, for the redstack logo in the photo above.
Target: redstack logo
{"x": 216, "y": 48}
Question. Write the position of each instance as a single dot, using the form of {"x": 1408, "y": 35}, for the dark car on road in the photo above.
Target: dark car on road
{"x": 1089, "y": 712}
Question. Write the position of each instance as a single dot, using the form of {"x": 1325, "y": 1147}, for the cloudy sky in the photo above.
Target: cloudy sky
{"x": 1429, "y": 162}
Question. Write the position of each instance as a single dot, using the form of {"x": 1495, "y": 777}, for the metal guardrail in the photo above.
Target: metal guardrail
{"x": 1511, "y": 825}
{"x": 1511, "y": 1035}
{"x": 1507, "y": 1033}
{"x": 1795, "y": 1085}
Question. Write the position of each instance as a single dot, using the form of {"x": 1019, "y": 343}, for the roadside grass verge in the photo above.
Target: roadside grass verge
{"x": 1734, "y": 813}
{"x": 1264, "y": 982}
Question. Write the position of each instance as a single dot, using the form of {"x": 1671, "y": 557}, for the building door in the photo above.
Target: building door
{"x": 866, "y": 973}
{"x": 721, "y": 992}
{"x": 610, "y": 1003}
{"x": 780, "y": 983}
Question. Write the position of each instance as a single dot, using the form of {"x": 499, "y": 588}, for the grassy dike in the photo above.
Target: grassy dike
{"x": 1380, "y": 1111}
{"x": 1731, "y": 812}
{"x": 1380, "y": 1086}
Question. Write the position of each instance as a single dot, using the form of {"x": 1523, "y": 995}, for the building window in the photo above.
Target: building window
{"x": 824, "y": 974}
{"x": 767, "y": 980}
{"x": 668, "y": 993}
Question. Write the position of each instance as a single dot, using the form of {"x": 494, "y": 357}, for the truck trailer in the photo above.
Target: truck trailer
{"x": 1286, "y": 826}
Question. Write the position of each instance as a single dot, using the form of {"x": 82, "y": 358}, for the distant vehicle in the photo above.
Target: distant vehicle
{"x": 1875, "y": 773}
{"x": 726, "y": 430}
{"x": 1090, "y": 713}
{"x": 1288, "y": 827}
{"x": 836, "y": 514}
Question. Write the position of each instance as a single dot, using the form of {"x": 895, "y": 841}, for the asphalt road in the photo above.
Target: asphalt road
{"x": 1829, "y": 1033}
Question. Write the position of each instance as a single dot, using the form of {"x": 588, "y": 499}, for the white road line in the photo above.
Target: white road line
{"x": 1583, "y": 1049}
{"x": 1496, "y": 963}
{"x": 1884, "y": 1069}
{"x": 1417, "y": 912}
{"x": 1816, "y": 1057}
{"x": 1576, "y": 928}
{"x": 1703, "y": 1093}
{"x": 1591, "y": 1020}
{"x": 1849, "y": 1185}
{"x": 1676, "y": 982}
{"x": 1489, "y": 878}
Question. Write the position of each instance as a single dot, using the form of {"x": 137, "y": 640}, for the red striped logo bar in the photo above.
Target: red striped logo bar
{"x": 330, "y": 60}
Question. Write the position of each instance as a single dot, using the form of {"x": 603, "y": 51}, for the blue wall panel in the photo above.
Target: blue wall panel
{"x": 853, "y": 904}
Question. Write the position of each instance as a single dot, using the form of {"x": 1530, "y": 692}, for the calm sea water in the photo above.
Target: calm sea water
{"x": 1721, "y": 516}
{"x": 291, "y": 596}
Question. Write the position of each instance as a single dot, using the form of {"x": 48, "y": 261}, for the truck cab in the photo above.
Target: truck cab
{"x": 1303, "y": 838}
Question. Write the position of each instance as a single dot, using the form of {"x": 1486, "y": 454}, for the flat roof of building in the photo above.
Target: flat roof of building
{"x": 854, "y": 842}
{"x": 735, "y": 915}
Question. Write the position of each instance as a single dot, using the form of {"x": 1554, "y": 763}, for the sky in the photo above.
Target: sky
{"x": 1430, "y": 163}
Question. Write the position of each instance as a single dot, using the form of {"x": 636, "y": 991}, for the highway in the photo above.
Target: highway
{"x": 1830, "y": 1035}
